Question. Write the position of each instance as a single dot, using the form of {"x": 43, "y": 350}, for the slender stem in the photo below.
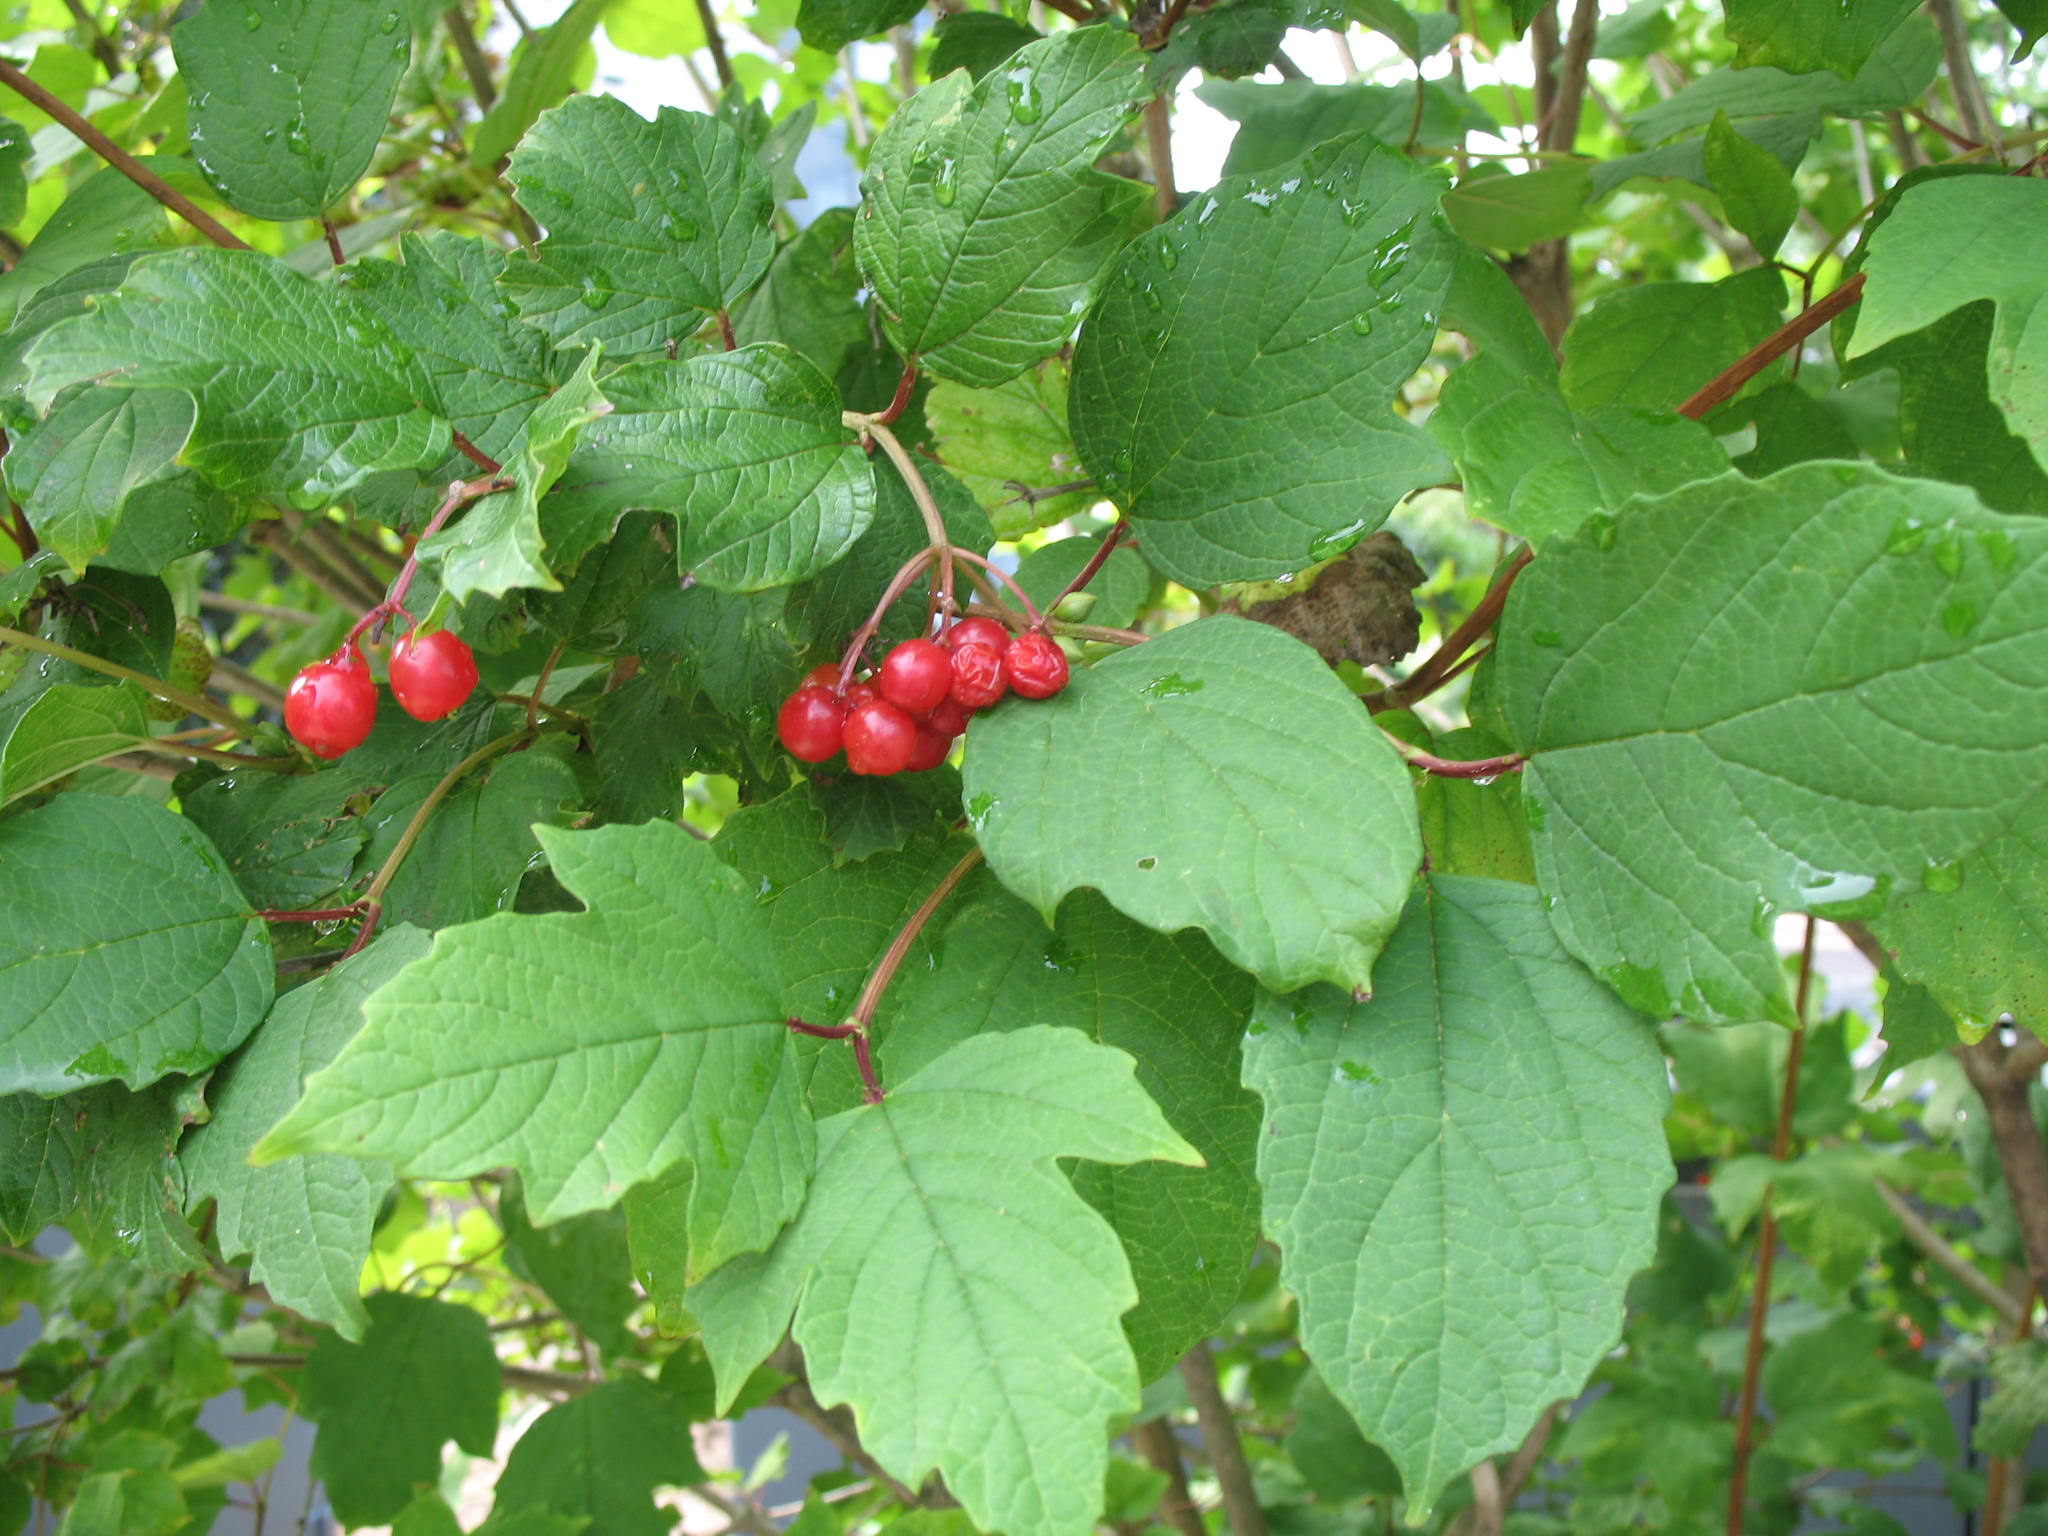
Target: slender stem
{"x": 1433, "y": 673}
{"x": 373, "y": 899}
{"x": 1447, "y": 768}
{"x": 1154, "y": 1440}
{"x": 191, "y": 703}
{"x": 540, "y": 684}
{"x": 1930, "y": 1242}
{"x": 920, "y": 493}
{"x": 823, "y": 1031}
{"x": 905, "y": 385}
{"x": 121, "y": 160}
{"x": 474, "y": 64}
{"x": 474, "y": 454}
{"x": 209, "y": 754}
{"x": 274, "y": 537}
{"x": 1032, "y": 616}
{"x": 1722, "y": 386}
{"x": 715, "y": 43}
{"x": 1219, "y": 1438}
{"x": 2002, "y": 1494}
{"x": 1159, "y": 140}
{"x": 269, "y": 612}
{"x": 460, "y": 493}
{"x": 1766, "y": 1248}
{"x": 730, "y": 341}
{"x": 892, "y": 958}
{"x": 310, "y": 914}
{"x": 333, "y": 240}
{"x": 1096, "y": 561}
{"x": 2017, "y": 1141}
{"x": 906, "y": 573}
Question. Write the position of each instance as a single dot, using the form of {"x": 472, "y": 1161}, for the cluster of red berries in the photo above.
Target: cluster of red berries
{"x": 332, "y": 704}
{"x": 907, "y": 715}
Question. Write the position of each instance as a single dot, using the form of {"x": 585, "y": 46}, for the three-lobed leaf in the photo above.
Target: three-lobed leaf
{"x": 591, "y": 1050}
{"x": 949, "y": 1284}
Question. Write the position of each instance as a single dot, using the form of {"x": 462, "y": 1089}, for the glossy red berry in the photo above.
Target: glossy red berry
{"x": 949, "y": 717}
{"x": 858, "y": 694}
{"x": 826, "y": 677}
{"x": 811, "y": 723}
{"x": 1034, "y": 666}
{"x": 977, "y": 675}
{"x": 930, "y": 750}
{"x": 332, "y": 704}
{"x": 431, "y": 674}
{"x": 978, "y": 632}
{"x": 880, "y": 738}
{"x": 916, "y": 674}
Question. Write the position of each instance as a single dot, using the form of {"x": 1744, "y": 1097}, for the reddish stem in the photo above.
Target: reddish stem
{"x": 1767, "y": 1244}
{"x": 1436, "y": 671}
{"x": 1450, "y": 768}
{"x": 823, "y": 1031}
{"x": 460, "y": 493}
{"x": 725, "y": 333}
{"x": 474, "y": 454}
{"x": 1033, "y": 617}
{"x": 333, "y": 240}
{"x": 886, "y": 968}
{"x": 898, "y": 585}
{"x": 864, "y": 1063}
{"x": 1095, "y": 563}
{"x": 1722, "y": 386}
{"x": 901, "y": 398}
{"x": 311, "y": 915}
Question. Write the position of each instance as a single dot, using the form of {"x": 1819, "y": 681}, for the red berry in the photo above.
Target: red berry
{"x": 858, "y": 694}
{"x": 1035, "y": 666}
{"x": 916, "y": 675}
{"x": 930, "y": 750}
{"x": 978, "y": 632}
{"x": 811, "y": 723}
{"x": 977, "y": 675}
{"x": 949, "y": 716}
{"x": 431, "y": 674}
{"x": 332, "y": 704}
{"x": 880, "y": 738}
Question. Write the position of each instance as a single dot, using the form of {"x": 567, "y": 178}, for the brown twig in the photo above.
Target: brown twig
{"x": 1482, "y": 769}
{"x": 474, "y": 64}
{"x": 1722, "y": 386}
{"x": 1096, "y": 561}
{"x": 121, "y": 160}
{"x": 1154, "y": 1440}
{"x": 2017, "y": 1140}
{"x": 1436, "y": 671}
{"x": 1219, "y": 1439}
{"x": 1766, "y": 1249}
{"x": 1961, "y": 1270}
{"x": 715, "y": 43}
{"x": 474, "y": 454}
{"x": 333, "y": 240}
{"x": 101, "y": 45}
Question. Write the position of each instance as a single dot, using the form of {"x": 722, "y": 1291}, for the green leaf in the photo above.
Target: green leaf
{"x": 1461, "y": 1174}
{"x": 1977, "y": 937}
{"x": 904, "y": 1272}
{"x": 866, "y": 815}
{"x": 986, "y": 227}
{"x": 301, "y": 390}
{"x": 442, "y": 302}
{"x": 129, "y": 1490}
{"x": 497, "y": 544}
{"x": 1949, "y": 242}
{"x": 546, "y": 66}
{"x": 1915, "y": 1025}
{"x": 289, "y": 839}
{"x": 1887, "y": 600}
{"x": 106, "y": 216}
{"x": 1900, "y": 69}
{"x": 287, "y": 98}
{"x": 1009, "y": 439}
{"x": 602, "y": 1455}
{"x": 582, "y": 1265}
{"x": 651, "y": 227}
{"x": 1948, "y": 427}
{"x": 745, "y": 448}
{"x": 1334, "y": 1459}
{"x": 1470, "y": 828}
{"x": 1801, "y": 36}
{"x": 1279, "y": 123}
{"x": 1738, "y": 1072}
{"x": 1835, "y": 1402}
{"x": 127, "y": 1181}
{"x": 1281, "y": 824}
{"x": 1756, "y": 189}
{"x": 1530, "y": 463}
{"x": 15, "y": 149}
{"x": 808, "y": 301}
{"x": 40, "y": 1175}
{"x": 591, "y": 1050}
{"x": 1119, "y": 587}
{"x": 2031, "y": 17}
{"x": 1245, "y": 450}
{"x": 64, "y": 727}
{"x": 125, "y": 949}
{"x": 1512, "y": 213}
{"x": 1179, "y": 1010}
{"x": 305, "y": 1224}
{"x": 430, "y": 1368}
{"x": 1786, "y": 137}
{"x": 829, "y": 25}
{"x": 2019, "y": 1405}
{"x": 976, "y": 41}
{"x": 654, "y": 29}
{"x": 1825, "y": 1203}
{"x": 1656, "y": 343}
{"x": 73, "y": 471}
